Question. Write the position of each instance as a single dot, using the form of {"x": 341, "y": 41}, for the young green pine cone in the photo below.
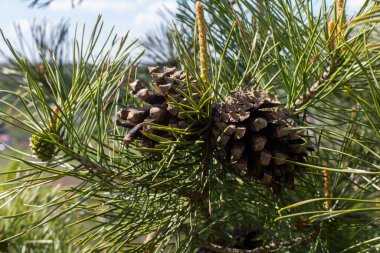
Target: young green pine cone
{"x": 256, "y": 138}
{"x": 41, "y": 147}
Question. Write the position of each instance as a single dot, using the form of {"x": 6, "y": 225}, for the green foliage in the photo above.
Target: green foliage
{"x": 178, "y": 197}
{"x": 25, "y": 206}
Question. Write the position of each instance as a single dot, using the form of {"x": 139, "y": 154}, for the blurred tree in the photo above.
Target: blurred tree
{"x": 47, "y": 41}
{"x": 45, "y": 3}
{"x": 160, "y": 48}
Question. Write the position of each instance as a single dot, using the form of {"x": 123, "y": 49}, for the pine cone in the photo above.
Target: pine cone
{"x": 41, "y": 147}
{"x": 170, "y": 88}
{"x": 256, "y": 138}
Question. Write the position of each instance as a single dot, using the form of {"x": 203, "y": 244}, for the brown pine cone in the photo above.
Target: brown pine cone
{"x": 165, "y": 106}
{"x": 256, "y": 138}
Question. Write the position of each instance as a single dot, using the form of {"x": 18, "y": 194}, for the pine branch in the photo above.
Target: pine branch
{"x": 263, "y": 249}
{"x": 88, "y": 164}
{"x": 183, "y": 182}
{"x": 312, "y": 92}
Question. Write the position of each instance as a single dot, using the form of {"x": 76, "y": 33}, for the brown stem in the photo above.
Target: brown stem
{"x": 341, "y": 18}
{"x": 135, "y": 131}
{"x": 314, "y": 88}
{"x": 88, "y": 164}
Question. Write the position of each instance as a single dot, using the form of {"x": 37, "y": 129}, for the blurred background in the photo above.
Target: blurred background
{"x": 44, "y": 25}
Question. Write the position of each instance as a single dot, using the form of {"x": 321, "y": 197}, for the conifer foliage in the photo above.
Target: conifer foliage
{"x": 264, "y": 137}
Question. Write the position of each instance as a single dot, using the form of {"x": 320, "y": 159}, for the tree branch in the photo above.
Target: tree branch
{"x": 301, "y": 101}
{"x": 263, "y": 249}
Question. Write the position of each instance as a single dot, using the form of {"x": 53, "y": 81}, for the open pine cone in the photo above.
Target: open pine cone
{"x": 256, "y": 138}
{"x": 171, "y": 85}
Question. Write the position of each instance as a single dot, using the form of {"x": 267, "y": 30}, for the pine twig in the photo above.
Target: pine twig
{"x": 326, "y": 173}
{"x": 132, "y": 134}
{"x": 340, "y": 16}
{"x": 314, "y": 88}
{"x": 263, "y": 249}
{"x": 88, "y": 164}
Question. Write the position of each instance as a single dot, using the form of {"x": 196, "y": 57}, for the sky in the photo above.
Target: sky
{"x": 135, "y": 15}
{"x": 138, "y": 16}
